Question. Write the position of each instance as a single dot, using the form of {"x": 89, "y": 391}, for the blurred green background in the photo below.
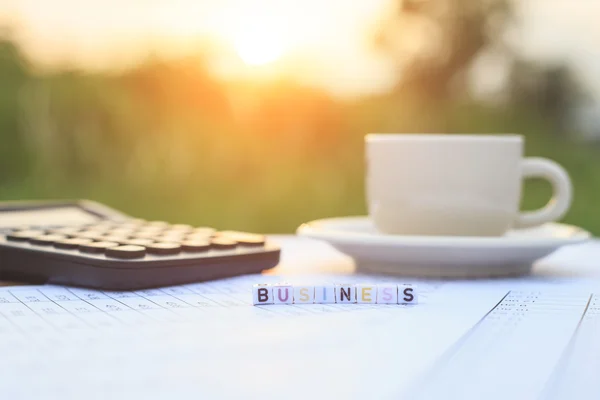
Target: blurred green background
{"x": 168, "y": 138}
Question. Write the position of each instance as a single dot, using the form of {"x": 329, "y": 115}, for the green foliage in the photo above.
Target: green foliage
{"x": 168, "y": 141}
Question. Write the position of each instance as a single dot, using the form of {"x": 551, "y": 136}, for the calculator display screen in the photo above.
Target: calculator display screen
{"x": 47, "y": 216}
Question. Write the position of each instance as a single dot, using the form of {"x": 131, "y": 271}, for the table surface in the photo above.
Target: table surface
{"x": 308, "y": 256}
{"x": 304, "y": 342}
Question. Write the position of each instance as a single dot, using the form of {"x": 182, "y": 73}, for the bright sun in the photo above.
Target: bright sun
{"x": 259, "y": 47}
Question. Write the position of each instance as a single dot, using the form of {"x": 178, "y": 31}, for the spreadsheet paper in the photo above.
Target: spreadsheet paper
{"x": 464, "y": 340}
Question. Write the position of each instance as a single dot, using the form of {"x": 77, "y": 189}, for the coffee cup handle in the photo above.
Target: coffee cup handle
{"x": 562, "y": 192}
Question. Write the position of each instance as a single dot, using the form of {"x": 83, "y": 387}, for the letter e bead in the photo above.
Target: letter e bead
{"x": 366, "y": 293}
{"x": 283, "y": 293}
{"x": 262, "y": 294}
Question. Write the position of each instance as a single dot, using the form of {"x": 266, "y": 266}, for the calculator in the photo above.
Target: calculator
{"x": 84, "y": 243}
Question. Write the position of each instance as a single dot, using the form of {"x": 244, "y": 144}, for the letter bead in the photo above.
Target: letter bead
{"x": 304, "y": 294}
{"x": 387, "y": 294}
{"x": 407, "y": 294}
{"x": 262, "y": 294}
{"x": 325, "y": 294}
{"x": 366, "y": 294}
{"x": 283, "y": 293}
{"x": 345, "y": 294}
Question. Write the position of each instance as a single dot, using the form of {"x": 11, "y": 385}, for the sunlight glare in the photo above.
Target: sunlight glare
{"x": 259, "y": 46}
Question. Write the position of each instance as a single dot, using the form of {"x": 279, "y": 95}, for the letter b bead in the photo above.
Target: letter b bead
{"x": 262, "y": 294}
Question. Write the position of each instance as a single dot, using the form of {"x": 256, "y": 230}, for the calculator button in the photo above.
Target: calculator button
{"x": 117, "y": 239}
{"x": 65, "y": 231}
{"x": 71, "y": 243}
{"x": 94, "y": 235}
{"x": 158, "y": 224}
{"x": 126, "y": 251}
{"x": 22, "y": 228}
{"x": 181, "y": 228}
{"x": 145, "y": 235}
{"x": 46, "y": 240}
{"x": 171, "y": 237}
{"x": 132, "y": 223}
{"x": 198, "y": 236}
{"x": 24, "y": 235}
{"x": 140, "y": 242}
{"x": 206, "y": 231}
{"x": 150, "y": 229}
{"x": 96, "y": 247}
{"x": 164, "y": 248}
{"x": 223, "y": 243}
{"x": 195, "y": 245}
{"x": 244, "y": 238}
{"x": 104, "y": 226}
{"x": 120, "y": 232}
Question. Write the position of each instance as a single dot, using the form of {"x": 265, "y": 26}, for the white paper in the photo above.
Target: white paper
{"x": 520, "y": 339}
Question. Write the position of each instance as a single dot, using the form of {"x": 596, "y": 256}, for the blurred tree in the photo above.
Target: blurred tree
{"x": 552, "y": 91}
{"x": 14, "y": 72}
{"x": 436, "y": 43}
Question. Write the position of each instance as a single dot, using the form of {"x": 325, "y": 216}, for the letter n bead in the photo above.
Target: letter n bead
{"x": 262, "y": 294}
{"x": 366, "y": 293}
{"x": 304, "y": 294}
{"x": 387, "y": 294}
{"x": 407, "y": 294}
{"x": 283, "y": 293}
{"x": 345, "y": 293}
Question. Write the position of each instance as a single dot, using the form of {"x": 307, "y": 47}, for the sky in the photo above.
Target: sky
{"x": 325, "y": 43}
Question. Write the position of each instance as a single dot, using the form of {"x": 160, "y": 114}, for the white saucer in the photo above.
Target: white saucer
{"x": 441, "y": 256}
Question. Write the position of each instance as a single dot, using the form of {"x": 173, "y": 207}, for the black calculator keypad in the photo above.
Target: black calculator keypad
{"x": 120, "y": 253}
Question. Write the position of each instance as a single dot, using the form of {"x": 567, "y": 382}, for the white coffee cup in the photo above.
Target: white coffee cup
{"x": 465, "y": 185}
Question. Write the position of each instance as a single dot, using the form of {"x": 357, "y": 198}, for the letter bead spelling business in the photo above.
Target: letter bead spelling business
{"x": 284, "y": 293}
{"x": 366, "y": 293}
{"x": 387, "y": 294}
{"x": 304, "y": 294}
{"x": 325, "y": 294}
{"x": 262, "y": 294}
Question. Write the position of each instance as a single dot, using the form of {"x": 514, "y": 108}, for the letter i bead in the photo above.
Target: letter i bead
{"x": 283, "y": 293}
{"x": 304, "y": 294}
{"x": 366, "y": 294}
{"x": 387, "y": 294}
{"x": 325, "y": 294}
{"x": 262, "y": 294}
{"x": 407, "y": 294}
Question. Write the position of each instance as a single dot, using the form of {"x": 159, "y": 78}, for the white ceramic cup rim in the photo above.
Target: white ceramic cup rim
{"x": 442, "y": 137}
